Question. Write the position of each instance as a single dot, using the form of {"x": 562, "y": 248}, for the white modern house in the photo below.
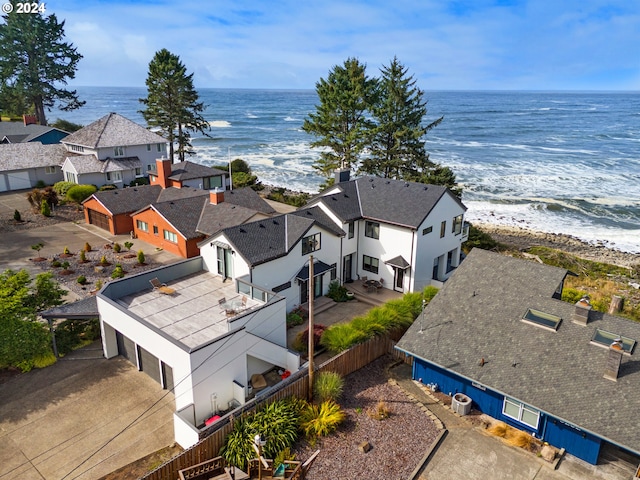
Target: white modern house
{"x": 112, "y": 150}
{"x": 406, "y": 235}
{"x": 200, "y": 336}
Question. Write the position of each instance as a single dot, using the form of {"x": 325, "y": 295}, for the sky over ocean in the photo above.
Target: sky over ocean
{"x": 558, "y": 162}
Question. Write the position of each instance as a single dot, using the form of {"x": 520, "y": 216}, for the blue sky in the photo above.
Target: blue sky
{"x": 447, "y": 45}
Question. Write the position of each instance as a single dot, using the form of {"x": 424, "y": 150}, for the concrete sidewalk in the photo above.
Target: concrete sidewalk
{"x": 468, "y": 452}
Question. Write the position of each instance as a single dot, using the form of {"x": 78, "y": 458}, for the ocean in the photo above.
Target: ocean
{"x": 555, "y": 162}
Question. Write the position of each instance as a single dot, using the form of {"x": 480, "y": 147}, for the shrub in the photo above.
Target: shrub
{"x": 141, "y": 258}
{"x": 66, "y": 251}
{"x": 65, "y": 265}
{"x": 45, "y": 360}
{"x": 284, "y": 455}
{"x": 118, "y": 272}
{"x": 340, "y": 336}
{"x": 104, "y": 188}
{"x": 328, "y": 386}
{"x": 380, "y": 411}
{"x": 337, "y": 292}
{"x": 61, "y": 188}
{"x": 294, "y": 319}
{"x": 139, "y": 181}
{"x": 45, "y": 209}
{"x": 103, "y": 260}
{"x": 98, "y": 284}
{"x": 16, "y": 216}
{"x": 75, "y": 333}
{"x": 40, "y": 184}
{"x": 320, "y": 420}
{"x": 83, "y": 256}
{"x": 81, "y": 280}
{"x": 117, "y": 247}
{"x": 480, "y": 239}
{"x": 37, "y": 196}
{"x": 79, "y": 193}
{"x": 301, "y": 342}
{"x": 56, "y": 264}
{"x": 128, "y": 245}
{"x": 37, "y": 247}
{"x": 572, "y": 295}
{"x": 87, "y": 247}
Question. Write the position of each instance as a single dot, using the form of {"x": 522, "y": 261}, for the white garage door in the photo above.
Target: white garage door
{"x": 3, "y": 183}
{"x": 19, "y": 180}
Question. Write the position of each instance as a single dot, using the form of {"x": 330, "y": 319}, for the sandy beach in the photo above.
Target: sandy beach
{"x": 523, "y": 238}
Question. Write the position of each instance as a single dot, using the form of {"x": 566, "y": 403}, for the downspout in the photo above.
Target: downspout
{"x": 412, "y": 282}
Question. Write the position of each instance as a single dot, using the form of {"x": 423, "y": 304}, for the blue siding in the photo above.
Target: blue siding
{"x": 51, "y": 137}
{"x": 556, "y": 432}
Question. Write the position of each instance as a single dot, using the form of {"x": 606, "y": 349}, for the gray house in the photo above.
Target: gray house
{"x": 23, "y": 165}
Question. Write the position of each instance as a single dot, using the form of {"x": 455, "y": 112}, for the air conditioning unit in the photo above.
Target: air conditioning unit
{"x": 461, "y": 404}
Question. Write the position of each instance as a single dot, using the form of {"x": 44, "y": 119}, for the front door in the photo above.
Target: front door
{"x": 399, "y": 283}
{"x": 304, "y": 291}
{"x": 346, "y": 268}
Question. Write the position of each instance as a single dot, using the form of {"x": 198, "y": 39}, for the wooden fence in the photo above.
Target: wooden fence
{"x": 297, "y": 385}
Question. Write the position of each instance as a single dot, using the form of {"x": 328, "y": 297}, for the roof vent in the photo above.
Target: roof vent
{"x": 406, "y": 184}
{"x": 242, "y": 230}
{"x": 371, "y": 180}
{"x": 275, "y": 222}
{"x": 261, "y": 225}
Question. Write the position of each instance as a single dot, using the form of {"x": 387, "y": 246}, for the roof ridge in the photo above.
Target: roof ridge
{"x": 103, "y": 129}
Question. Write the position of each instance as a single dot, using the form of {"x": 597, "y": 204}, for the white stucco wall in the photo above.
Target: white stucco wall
{"x": 146, "y": 157}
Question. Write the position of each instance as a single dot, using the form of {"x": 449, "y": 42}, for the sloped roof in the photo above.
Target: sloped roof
{"x": 264, "y": 240}
{"x": 90, "y": 164}
{"x": 477, "y": 314}
{"x": 187, "y": 170}
{"x": 112, "y": 130}
{"x": 85, "y": 308}
{"x": 183, "y": 214}
{"x": 321, "y": 218}
{"x": 223, "y": 215}
{"x": 20, "y": 156}
{"x": 174, "y": 193}
{"x": 248, "y": 198}
{"x": 127, "y": 200}
{"x": 17, "y": 132}
{"x": 396, "y": 202}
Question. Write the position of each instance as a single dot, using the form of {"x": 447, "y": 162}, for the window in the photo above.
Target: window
{"x": 209, "y": 183}
{"x": 143, "y": 226}
{"x": 310, "y": 244}
{"x": 457, "y": 225}
{"x": 351, "y": 229}
{"x": 443, "y": 229}
{"x": 520, "y": 412}
{"x": 172, "y": 237}
{"x": 155, "y": 229}
{"x": 118, "y": 152}
{"x": 70, "y": 177}
{"x": 138, "y": 172}
{"x": 49, "y": 170}
{"x": 77, "y": 148}
{"x": 370, "y": 264}
{"x": 114, "y": 176}
{"x": 160, "y": 147}
{"x": 427, "y": 230}
{"x": 148, "y": 147}
{"x": 372, "y": 230}
{"x": 605, "y": 339}
{"x": 542, "y": 319}
{"x": 149, "y": 168}
{"x": 334, "y": 271}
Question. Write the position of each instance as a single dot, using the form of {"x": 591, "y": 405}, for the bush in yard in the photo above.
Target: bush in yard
{"x": 294, "y": 319}
{"x": 61, "y": 188}
{"x": 79, "y": 193}
{"x": 45, "y": 209}
{"x": 321, "y": 420}
{"x": 83, "y": 256}
{"x": 128, "y": 245}
{"x": 107, "y": 187}
{"x": 139, "y": 181}
{"x": 40, "y": 184}
{"x": 118, "y": 272}
{"x": 87, "y": 247}
{"x": 327, "y": 386}
{"x": 37, "y": 196}
{"x": 56, "y": 264}
{"x": 337, "y": 292}
{"x": 16, "y": 216}
{"x": 141, "y": 258}
{"x": 572, "y": 295}
{"x": 117, "y": 247}
{"x": 277, "y": 421}
{"x": 301, "y": 342}
{"x": 81, "y": 280}
{"x": 340, "y": 336}
{"x": 74, "y": 333}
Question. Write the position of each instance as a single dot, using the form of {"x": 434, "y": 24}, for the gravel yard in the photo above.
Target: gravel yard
{"x": 399, "y": 442}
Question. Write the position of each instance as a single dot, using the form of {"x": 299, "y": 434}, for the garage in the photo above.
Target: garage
{"x": 19, "y": 180}
{"x": 150, "y": 364}
{"x": 99, "y": 219}
{"x": 127, "y": 348}
{"x": 167, "y": 375}
{"x": 145, "y": 361}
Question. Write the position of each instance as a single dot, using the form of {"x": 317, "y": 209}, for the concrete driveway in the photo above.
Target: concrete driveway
{"x": 81, "y": 418}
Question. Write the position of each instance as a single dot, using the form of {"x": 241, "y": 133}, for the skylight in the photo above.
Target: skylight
{"x": 602, "y": 338}
{"x": 541, "y": 319}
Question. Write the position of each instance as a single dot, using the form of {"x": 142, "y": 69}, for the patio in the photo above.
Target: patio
{"x": 193, "y": 314}
{"x": 365, "y": 294}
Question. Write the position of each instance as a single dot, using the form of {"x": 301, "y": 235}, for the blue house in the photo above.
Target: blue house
{"x": 498, "y": 332}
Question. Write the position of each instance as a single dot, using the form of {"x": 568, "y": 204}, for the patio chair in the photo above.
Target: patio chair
{"x": 161, "y": 287}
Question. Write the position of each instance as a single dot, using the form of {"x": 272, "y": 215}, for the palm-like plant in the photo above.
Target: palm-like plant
{"x": 320, "y": 420}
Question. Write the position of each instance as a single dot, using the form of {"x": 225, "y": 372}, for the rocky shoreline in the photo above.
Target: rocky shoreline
{"x": 523, "y": 238}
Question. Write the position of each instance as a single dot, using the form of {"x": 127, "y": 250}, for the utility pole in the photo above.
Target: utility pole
{"x": 311, "y": 294}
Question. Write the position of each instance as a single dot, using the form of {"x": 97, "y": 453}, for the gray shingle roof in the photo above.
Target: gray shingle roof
{"x": 112, "y": 130}
{"x": 264, "y": 240}
{"x": 248, "y": 198}
{"x": 390, "y": 201}
{"x": 19, "y": 132}
{"x": 477, "y": 315}
{"x": 127, "y": 200}
{"x": 188, "y": 170}
{"x": 173, "y": 193}
{"x": 85, "y": 308}
{"x": 90, "y": 164}
{"x": 218, "y": 217}
{"x": 321, "y": 218}
{"x": 20, "y": 156}
{"x": 183, "y": 214}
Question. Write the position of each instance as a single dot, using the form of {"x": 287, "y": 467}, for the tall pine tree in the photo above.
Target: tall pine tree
{"x": 340, "y": 122}
{"x": 34, "y": 63}
{"x": 172, "y": 102}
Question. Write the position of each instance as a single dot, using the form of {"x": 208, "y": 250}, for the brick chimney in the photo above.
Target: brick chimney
{"x": 29, "y": 120}
{"x": 216, "y": 196}
{"x": 614, "y": 360}
{"x": 582, "y": 311}
{"x": 163, "y": 167}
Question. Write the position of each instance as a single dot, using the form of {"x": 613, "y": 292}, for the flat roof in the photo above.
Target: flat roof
{"x": 193, "y": 315}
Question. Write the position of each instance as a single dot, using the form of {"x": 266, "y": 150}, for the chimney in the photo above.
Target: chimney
{"x": 29, "y": 120}
{"x": 614, "y": 360}
{"x": 342, "y": 175}
{"x": 216, "y": 196}
{"x": 163, "y": 167}
{"x": 582, "y": 311}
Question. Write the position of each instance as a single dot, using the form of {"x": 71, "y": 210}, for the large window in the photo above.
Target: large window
{"x": 172, "y": 237}
{"x": 521, "y": 412}
{"x": 114, "y": 176}
{"x": 209, "y": 183}
{"x": 118, "y": 151}
{"x": 370, "y": 264}
{"x": 49, "y": 170}
{"x": 310, "y": 244}
{"x": 372, "y": 230}
{"x": 70, "y": 177}
{"x": 457, "y": 225}
{"x": 143, "y": 226}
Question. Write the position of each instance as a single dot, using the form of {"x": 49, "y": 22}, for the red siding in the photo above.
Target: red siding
{"x": 183, "y": 248}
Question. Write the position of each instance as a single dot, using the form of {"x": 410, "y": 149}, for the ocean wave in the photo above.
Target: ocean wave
{"x": 219, "y": 124}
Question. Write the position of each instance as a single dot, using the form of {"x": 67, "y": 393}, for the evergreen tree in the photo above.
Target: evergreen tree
{"x": 34, "y": 62}
{"x": 340, "y": 122}
{"x": 397, "y": 140}
{"x": 172, "y": 102}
